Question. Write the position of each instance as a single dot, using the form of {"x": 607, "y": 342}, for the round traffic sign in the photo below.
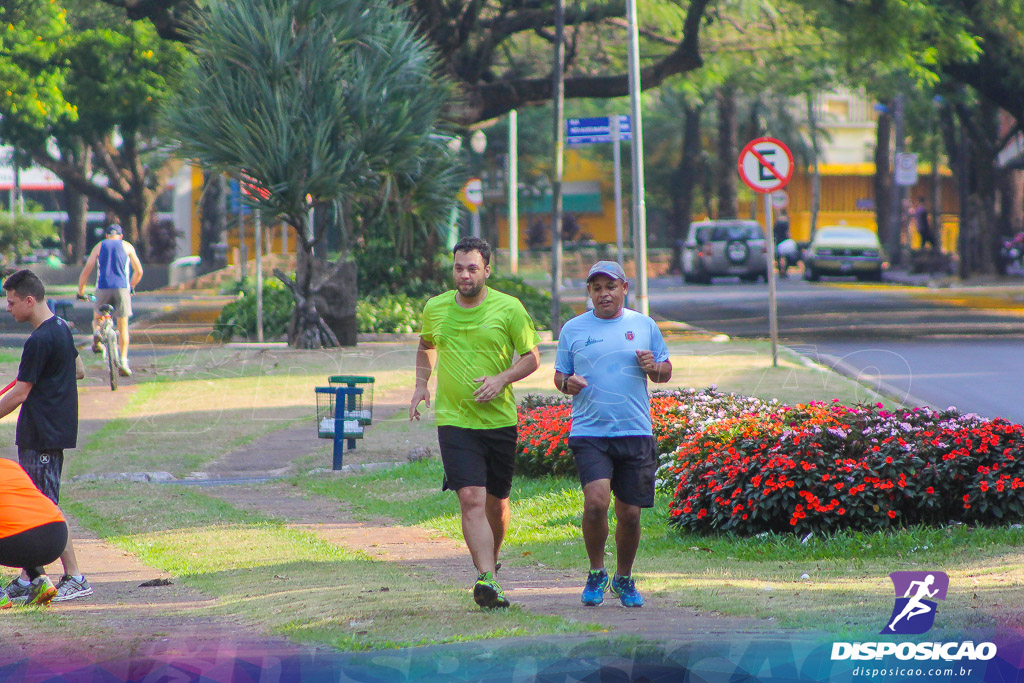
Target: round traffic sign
{"x": 472, "y": 194}
{"x": 780, "y": 199}
{"x": 766, "y": 165}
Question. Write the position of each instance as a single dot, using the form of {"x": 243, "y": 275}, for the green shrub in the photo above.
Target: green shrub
{"x": 238, "y": 318}
{"x": 536, "y": 302}
{"x": 389, "y": 313}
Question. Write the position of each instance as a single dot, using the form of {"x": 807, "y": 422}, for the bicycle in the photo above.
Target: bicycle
{"x": 106, "y": 338}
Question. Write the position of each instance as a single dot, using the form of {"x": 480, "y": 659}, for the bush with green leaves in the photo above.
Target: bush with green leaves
{"x": 391, "y": 313}
{"x": 238, "y": 318}
{"x": 21, "y": 234}
{"x": 536, "y": 302}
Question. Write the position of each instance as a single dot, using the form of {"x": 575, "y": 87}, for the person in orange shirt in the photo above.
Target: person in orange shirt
{"x": 33, "y": 532}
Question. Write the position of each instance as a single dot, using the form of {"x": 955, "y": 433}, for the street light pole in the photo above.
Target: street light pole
{"x": 639, "y": 203}
{"x": 556, "y": 189}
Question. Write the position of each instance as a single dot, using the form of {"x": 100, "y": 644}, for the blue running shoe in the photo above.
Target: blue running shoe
{"x": 624, "y": 588}
{"x": 597, "y": 584}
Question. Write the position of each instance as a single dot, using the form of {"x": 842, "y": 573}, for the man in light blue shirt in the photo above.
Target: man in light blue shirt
{"x": 604, "y": 360}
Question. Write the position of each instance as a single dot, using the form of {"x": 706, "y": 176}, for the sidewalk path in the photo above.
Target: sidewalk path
{"x": 539, "y": 589}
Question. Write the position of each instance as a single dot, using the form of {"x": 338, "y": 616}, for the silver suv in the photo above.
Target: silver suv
{"x": 724, "y": 247}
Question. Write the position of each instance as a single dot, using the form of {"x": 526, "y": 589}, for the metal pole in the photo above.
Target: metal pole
{"x": 513, "y": 192}
{"x": 259, "y": 277}
{"x": 556, "y": 188}
{"x": 617, "y": 163}
{"x": 639, "y": 203}
{"x": 773, "y": 322}
{"x": 475, "y": 218}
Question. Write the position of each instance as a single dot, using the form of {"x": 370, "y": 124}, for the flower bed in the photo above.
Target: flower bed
{"x": 544, "y": 424}
{"x": 824, "y": 467}
{"x": 743, "y": 465}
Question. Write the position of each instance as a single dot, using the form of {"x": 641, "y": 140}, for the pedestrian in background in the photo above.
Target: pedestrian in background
{"x": 604, "y": 360}
{"x": 924, "y": 230}
{"x": 473, "y": 332}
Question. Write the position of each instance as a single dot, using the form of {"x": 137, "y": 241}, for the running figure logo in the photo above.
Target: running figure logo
{"x": 914, "y": 612}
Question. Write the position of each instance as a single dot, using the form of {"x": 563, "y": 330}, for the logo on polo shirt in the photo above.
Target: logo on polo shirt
{"x": 591, "y": 340}
{"x": 629, "y": 336}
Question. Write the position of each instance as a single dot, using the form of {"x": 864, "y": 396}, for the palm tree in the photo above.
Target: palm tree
{"x": 324, "y": 105}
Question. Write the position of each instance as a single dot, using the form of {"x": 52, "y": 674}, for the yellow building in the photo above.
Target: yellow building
{"x": 588, "y": 193}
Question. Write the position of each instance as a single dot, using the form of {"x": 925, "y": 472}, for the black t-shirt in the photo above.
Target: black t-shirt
{"x": 49, "y": 416}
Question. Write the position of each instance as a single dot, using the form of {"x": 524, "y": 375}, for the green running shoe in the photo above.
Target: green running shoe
{"x": 624, "y": 588}
{"x": 41, "y": 591}
{"x": 488, "y": 593}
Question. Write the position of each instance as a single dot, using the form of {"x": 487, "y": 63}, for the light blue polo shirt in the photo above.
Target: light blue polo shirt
{"x": 603, "y": 352}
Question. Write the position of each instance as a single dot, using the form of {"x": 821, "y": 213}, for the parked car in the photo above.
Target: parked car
{"x": 724, "y": 247}
{"x": 844, "y": 250}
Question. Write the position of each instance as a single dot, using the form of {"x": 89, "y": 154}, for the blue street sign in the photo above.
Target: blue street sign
{"x": 238, "y": 207}
{"x": 595, "y": 130}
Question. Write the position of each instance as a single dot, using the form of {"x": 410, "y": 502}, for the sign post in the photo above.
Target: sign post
{"x": 766, "y": 166}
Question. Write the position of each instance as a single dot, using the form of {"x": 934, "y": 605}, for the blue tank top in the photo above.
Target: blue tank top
{"x": 112, "y": 264}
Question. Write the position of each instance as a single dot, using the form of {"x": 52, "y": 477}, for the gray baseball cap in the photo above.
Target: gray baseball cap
{"x": 609, "y": 268}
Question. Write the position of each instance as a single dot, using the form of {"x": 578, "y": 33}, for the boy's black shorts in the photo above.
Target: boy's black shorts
{"x": 44, "y": 469}
{"x": 478, "y": 457}
{"x": 628, "y": 461}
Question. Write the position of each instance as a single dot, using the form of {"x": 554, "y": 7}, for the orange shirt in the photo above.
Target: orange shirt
{"x": 22, "y": 506}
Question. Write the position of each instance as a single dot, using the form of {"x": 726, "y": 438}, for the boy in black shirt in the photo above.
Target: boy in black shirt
{"x": 48, "y": 422}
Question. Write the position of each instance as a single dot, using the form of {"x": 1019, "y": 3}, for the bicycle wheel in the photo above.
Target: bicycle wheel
{"x": 113, "y": 359}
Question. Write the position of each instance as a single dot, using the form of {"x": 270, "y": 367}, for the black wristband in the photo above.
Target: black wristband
{"x": 565, "y": 382}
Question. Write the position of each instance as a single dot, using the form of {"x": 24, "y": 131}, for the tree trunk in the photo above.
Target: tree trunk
{"x": 685, "y": 179}
{"x": 727, "y": 153}
{"x": 213, "y": 223}
{"x": 336, "y": 292}
{"x": 987, "y": 174}
{"x": 883, "y": 177}
{"x": 77, "y": 206}
{"x": 307, "y": 329}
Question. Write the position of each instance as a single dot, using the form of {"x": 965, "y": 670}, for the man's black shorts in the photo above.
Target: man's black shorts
{"x": 628, "y": 461}
{"x": 43, "y": 468}
{"x": 478, "y": 457}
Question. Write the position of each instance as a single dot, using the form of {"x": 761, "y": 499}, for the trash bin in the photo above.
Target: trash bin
{"x": 364, "y": 413}
{"x": 333, "y": 421}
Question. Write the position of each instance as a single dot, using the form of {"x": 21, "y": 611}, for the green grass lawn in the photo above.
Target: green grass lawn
{"x": 847, "y": 585}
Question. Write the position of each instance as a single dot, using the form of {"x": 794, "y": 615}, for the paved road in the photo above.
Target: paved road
{"x": 934, "y": 347}
{"x": 812, "y": 312}
{"x": 982, "y": 376}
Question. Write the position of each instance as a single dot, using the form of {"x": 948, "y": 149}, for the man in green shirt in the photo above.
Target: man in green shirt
{"x": 472, "y": 333}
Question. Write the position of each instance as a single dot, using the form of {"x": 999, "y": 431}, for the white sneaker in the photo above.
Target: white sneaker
{"x": 124, "y": 370}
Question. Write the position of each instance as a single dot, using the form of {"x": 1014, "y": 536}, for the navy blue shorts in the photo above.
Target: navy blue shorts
{"x": 628, "y": 461}
{"x": 478, "y": 457}
{"x": 43, "y": 468}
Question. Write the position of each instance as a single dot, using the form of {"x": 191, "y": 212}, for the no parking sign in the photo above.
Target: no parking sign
{"x": 766, "y": 165}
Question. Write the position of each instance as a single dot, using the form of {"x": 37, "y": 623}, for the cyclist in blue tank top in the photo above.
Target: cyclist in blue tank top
{"x": 119, "y": 270}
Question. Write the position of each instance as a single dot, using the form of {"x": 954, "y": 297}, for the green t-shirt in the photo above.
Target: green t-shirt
{"x": 475, "y": 342}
